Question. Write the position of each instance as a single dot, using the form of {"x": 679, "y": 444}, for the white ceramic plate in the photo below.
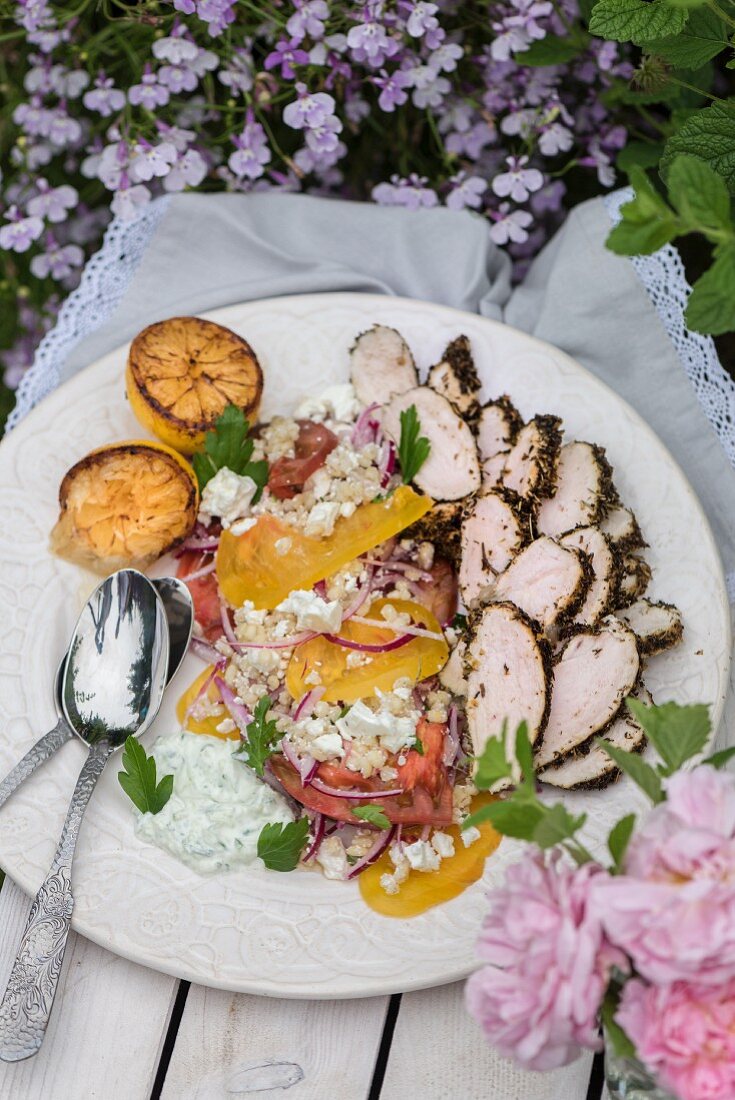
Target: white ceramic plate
{"x": 298, "y": 934}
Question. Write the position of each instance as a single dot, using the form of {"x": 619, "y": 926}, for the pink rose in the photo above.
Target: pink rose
{"x": 685, "y": 1035}
{"x": 538, "y": 999}
{"x": 673, "y": 911}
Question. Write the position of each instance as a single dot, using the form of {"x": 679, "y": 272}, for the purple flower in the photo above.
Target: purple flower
{"x": 429, "y": 89}
{"x": 411, "y": 193}
{"x": 127, "y": 199}
{"x": 549, "y": 198}
{"x": 287, "y": 54}
{"x": 149, "y": 93}
{"x": 58, "y": 261}
{"x": 467, "y": 191}
{"x": 176, "y": 49}
{"x": 34, "y": 15}
{"x": 444, "y": 60}
{"x": 308, "y": 19}
{"x": 186, "y": 7}
{"x": 370, "y": 43}
{"x": 392, "y": 86}
{"x": 104, "y": 97}
{"x": 150, "y": 161}
{"x": 19, "y": 233}
{"x": 187, "y": 63}
{"x": 217, "y": 14}
{"x": 309, "y": 110}
{"x": 509, "y": 225}
{"x": 554, "y": 139}
{"x": 251, "y": 150}
{"x": 518, "y": 182}
{"x": 470, "y": 143}
{"x": 422, "y": 19}
{"x": 188, "y": 170}
{"x": 237, "y": 75}
{"x": 52, "y": 203}
{"x": 598, "y": 159}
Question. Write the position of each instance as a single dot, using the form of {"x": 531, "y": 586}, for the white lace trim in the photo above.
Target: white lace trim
{"x": 663, "y": 277}
{"x": 105, "y": 279}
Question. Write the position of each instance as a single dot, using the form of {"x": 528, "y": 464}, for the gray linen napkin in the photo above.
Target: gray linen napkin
{"x": 216, "y": 250}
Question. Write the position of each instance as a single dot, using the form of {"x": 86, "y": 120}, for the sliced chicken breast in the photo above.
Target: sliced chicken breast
{"x": 621, "y": 527}
{"x": 547, "y": 581}
{"x": 530, "y": 464}
{"x": 381, "y": 365}
{"x": 442, "y": 526}
{"x": 605, "y": 573}
{"x": 452, "y": 470}
{"x": 491, "y": 536}
{"x": 452, "y": 676}
{"x": 583, "y": 490}
{"x": 594, "y": 673}
{"x": 507, "y": 667}
{"x": 634, "y": 580}
{"x": 497, "y": 428}
{"x": 657, "y": 626}
{"x": 456, "y": 378}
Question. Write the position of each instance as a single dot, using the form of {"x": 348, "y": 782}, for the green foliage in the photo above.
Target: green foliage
{"x": 413, "y": 448}
{"x": 280, "y": 846}
{"x": 701, "y": 39}
{"x": 373, "y": 815}
{"x": 637, "y": 21}
{"x": 620, "y": 1041}
{"x": 262, "y": 737}
{"x": 711, "y": 306}
{"x": 229, "y": 446}
{"x": 618, "y": 840}
{"x": 710, "y": 135}
{"x": 646, "y": 222}
{"x": 139, "y": 780}
{"x": 677, "y": 733}
{"x": 553, "y": 50}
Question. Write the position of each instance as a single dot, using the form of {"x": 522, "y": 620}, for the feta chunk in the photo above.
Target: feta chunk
{"x": 443, "y": 845}
{"x": 421, "y": 856}
{"x": 321, "y": 519}
{"x": 229, "y": 496}
{"x": 366, "y": 726}
{"x": 469, "y": 836}
{"x": 327, "y": 746}
{"x": 312, "y": 612}
{"x": 333, "y": 858}
{"x": 337, "y": 402}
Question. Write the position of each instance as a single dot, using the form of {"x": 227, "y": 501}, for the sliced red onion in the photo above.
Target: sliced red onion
{"x": 206, "y": 544}
{"x": 364, "y": 430}
{"x": 364, "y": 647}
{"x": 195, "y": 576}
{"x": 321, "y": 589}
{"x": 205, "y": 651}
{"x": 316, "y": 841}
{"x": 451, "y": 739}
{"x": 400, "y": 567}
{"x": 219, "y": 667}
{"x": 226, "y": 624}
{"x": 363, "y": 593}
{"x": 306, "y": 704}
{"x": 238, "y": 711}
{"x": 380, "y": 845}
{"x": 358, "y": 796}
{"x": 414, "y": 631}
{"x": 387, "y": 462}
{"x": 306, "y": 765}
{"x": 282, "y": 643}
{"x": 425, "y": 832}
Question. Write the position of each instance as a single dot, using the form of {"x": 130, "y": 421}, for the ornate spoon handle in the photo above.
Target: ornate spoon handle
{"x": 29, "y": 997}
{"x": 36, "y": 756}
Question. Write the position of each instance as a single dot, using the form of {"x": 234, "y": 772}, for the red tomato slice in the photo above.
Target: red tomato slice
{"x": 425, "y": 771}
{"x": 204, "y": 593}
{"x": 287, "y": 475}
{"x": 440, "y": 594}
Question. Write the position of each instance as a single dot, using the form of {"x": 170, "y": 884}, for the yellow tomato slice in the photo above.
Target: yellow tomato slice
{"x": 249, "y": 568}
{"x": 203, "y": 725}
{"x": 417, "y": 659}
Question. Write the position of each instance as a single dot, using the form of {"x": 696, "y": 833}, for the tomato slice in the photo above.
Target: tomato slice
{"x": 313, "y": 443}
{"x": 204, "y": 593}
{"x": 441, "y": 593}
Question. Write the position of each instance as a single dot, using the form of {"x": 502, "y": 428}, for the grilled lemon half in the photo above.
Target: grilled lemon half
{"x": 181, "y": 375}
{"x": 124, "y": 505}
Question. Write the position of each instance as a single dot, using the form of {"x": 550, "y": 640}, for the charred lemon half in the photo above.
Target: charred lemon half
{"x": 182, "y": 374}
{"x": 125, "y": 505}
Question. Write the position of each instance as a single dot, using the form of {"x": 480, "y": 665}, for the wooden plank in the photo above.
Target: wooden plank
{"x": 230, "y": 1043}
{"x": 438, "y": 1051}
{"x": 107, "y": 1027}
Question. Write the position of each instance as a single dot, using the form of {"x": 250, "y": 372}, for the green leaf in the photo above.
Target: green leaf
{"x": 620, "y": 1041}
{"x": 711, "y": 305}
{"x": 262, "y": 737}
{"x": 641, "y": 154}
{"x": 373, "y": 815}
{"x": 636, "y": 20}
{"x": 699, "y": 194}
{"x": 619, "y": 838}
{"x": 279, "y": 846}
{"x": 710, "y": 135}
{"x": 492, "y": 764}
{"x": 646, "y": 777}
{"x": 551, "y": 50}
{"x": 418, "y": 746}
{"x": 524, "y": 756}
{"x": 459, "y": 622}
{"x": 514, "y": 817}
{"x": 556, "y": 825}
{"x": 702, "y": 38}
{"x": 719, "y": 759}
{"x": 677, "y": 733}
{"x": 646, "y": 222}
{"x": 229, "y": 446}
{"x": 138, "y": 780}
{"x": 413, "y": 449}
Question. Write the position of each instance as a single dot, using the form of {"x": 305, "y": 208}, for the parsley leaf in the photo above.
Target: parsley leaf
{"x": 418, "y": 746}
{"x": 413, "y": 449}
{"x": 228, "y": 445}
{"x": 262, "y": 736}
{"x": 373, "y": 815}
{"x": 459, "y": 622}
{"x": 139, "y": 779}
{"x": 279, "y": 846}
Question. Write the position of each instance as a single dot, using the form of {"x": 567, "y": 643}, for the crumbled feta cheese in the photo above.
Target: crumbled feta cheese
{"x": 333, "y": 858}
{"x": 389, "y": 884}
{"x": 421, "y": 856}
{"x": 321, "y": 519}
{"x": 443, "y": 844}
{"x": 228, "y": 495}
{"x": 327, "y": 746}
{"x": 312, "y": 612}
{"x": 319, "y": 483}
{"x": 347, "y": 509}
{"x": 469, "y": 836}
{"x": 335, "y": 403}
{"x": 226, "y": 726}
{"x": 366, "y": 726}
{"x": 243, "y": 525}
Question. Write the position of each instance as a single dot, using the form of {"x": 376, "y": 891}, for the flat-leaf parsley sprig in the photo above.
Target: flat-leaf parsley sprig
{"x": 261, "y": 737}
{"x": 230, "y": 445}
{"x": 138, "y": 780}
{"x": 414, "y": 448}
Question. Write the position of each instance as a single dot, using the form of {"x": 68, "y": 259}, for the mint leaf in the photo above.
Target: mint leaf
{"x": 556, "y": 825}
{"x": 702, "y": 38}
{"x": 644, "y": 154}
{"x": 710, "y": 135}
{"x": 619, "y": 838}
{"x": 711, "y": 305}
{"x": 719, "y": 759}
{"x": 699, "y": 194}
{"x": 279, "y": 846}
{"x": 514, "y": 818}
{"x": 229, "y": 446}
{"x": 551, "y": 50}
{"x": 636, "y": 20}
{"x": 647, "y": 223}
{"x": 492, "y": 764}
{"x": 138, "y": 780}
{"x": 413, "y": 449}
{"x": 262, "y": 737}
{"x": 373, "y": 815}
{"x": 646, "y": 777}
{"x": 677, "y": 733}
{"x": 620, "y": 1041}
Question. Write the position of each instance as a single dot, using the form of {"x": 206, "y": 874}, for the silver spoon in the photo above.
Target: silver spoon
{"x": 180, "y": 616}
{"x": 114, "y": 680}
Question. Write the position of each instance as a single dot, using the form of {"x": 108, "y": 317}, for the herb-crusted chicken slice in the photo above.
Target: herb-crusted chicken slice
{"x": 452, "y": 470}
{"x": 605, "y": 573}
{"x": 491, "y": 537}
{"x": 497, "y": 427}
{"x": 442, "y": 526}
{"x": 507, "y": 665}
{"x": 547, "y": 581}
{"x": 621, "y": 527}
{"x": 455, "y": 377}
{"x": 583, "y": 490}
{"x": 657, "y": 626}
{"x": 530, "y": 465}
{"x": 634, "y": 579}
{"x": 452, "y": 676}
{"x": 594, "y": 673}
{"x": 381, "y": 365}
{"x": 595, "y": 769}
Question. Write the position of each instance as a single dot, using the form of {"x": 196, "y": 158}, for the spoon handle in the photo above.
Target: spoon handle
{"x": 41, "y": 751}
{"x": 29, "y": 997}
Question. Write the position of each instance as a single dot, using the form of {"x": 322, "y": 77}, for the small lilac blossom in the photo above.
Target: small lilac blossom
{"x": 217, "y": 14}
{"x": 370, "y": 44}
{"x": 69, "y": 83}
{"x": 472, "y": 142}
{"x": 180, "y": 138}
{"x": 186, "y": 7}
{"x": 188, "y": 170}
{"x": 149, "y": 93}
{"x": 52, "y": 203}
{"x": 445, "y": 58}
{"x": 422, "y": 18}
{"x": 237, "y": 74}
{"x": 33, "y": 118}
{"x": 150, "y": 161}
{"x": 251, "y": 150}
{"x": 411, "y": 193}
{"x": 33, "y": 15}
{"x": 519, "y": 122}
{"x": 176, "y": 49}
{"x": 554, "y": 139}
{"x": 111, "y": 163}
{"x": 356, "y": 108}
{"x": 518, "y": 182}
{"x": 308, "y": 19}
{"x": 323, "y": 138}
{"x": 19, "y": 233}
{"x": 467, "y": 191}
{"x": 58, "y": 261}
{"x": 429, "y": 89}
{"x": 63, "y": 131}
{"x": 509, "y": 225}
{"x": 598, "y": 159}
{"x": 549, "y": 198}
{"x": 309, "y": 109}
{"x": 104, "y": 98}
{"x": 392, "y": 93}
{"x": 127, "y": 199}
{"x": 287, "y": 54}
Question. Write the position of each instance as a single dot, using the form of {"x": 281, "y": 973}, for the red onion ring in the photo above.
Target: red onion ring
{"x": 199, "y": 573}
{"x": 364, "y": 647}
{"x": 226, "y": 624}
{"x": 316, "y": 843}
{"x": 219, "y": 667}
{"x": 373, "y": 853}
{"x": 238, "y": 711}
{"x": 306, "y": 704}
{"x": 205, "y": 651}
{"x": 357, "y": 796}
{"x": 364, "y": 431}
{"x": 306, "y": 766}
